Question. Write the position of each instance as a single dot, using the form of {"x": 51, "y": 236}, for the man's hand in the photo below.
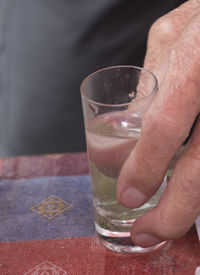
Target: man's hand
{"x": 173, "y": 54}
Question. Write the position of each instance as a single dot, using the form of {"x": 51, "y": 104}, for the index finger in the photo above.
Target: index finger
{"x": 166, "y": 124}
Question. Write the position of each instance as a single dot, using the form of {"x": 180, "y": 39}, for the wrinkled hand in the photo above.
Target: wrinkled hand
{"x": 173, "y": 54}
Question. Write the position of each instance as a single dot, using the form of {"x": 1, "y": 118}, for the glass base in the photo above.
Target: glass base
{"x": 121, "y": 242}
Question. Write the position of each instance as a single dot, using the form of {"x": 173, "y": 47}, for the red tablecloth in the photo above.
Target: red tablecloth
{"x": 46, "y": 225}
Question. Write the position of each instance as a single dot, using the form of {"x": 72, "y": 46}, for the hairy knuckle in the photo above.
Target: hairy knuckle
{"x": 163, "y": 28}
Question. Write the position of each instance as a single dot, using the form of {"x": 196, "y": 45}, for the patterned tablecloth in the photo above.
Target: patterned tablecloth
{"x": 46, "y": 225}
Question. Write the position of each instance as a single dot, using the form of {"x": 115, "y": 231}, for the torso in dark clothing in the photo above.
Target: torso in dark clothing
{"x": 46, "y": 49}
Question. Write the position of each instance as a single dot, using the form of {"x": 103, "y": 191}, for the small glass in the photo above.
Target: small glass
{"x": 114, "y": 101}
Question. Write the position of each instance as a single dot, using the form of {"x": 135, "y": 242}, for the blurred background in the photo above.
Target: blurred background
{"x": 47, "y": 48}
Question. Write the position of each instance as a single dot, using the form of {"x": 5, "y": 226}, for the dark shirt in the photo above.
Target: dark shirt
{"x": 47, "y": 47}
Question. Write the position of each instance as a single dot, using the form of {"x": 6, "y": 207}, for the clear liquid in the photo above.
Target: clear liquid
{"x": 110, "y": 139}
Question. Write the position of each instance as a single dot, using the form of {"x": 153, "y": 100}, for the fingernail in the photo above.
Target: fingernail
{"x": 146, "y": 240}
{"x": 132, "y": 198}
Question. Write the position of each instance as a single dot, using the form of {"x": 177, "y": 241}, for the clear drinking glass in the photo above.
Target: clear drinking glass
{"x": 114, "y": 101}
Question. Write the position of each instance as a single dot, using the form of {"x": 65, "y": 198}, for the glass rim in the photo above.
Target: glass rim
{"x": 155, "y": 88}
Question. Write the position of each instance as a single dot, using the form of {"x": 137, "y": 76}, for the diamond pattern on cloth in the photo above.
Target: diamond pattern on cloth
{"x": 46, "y": 208}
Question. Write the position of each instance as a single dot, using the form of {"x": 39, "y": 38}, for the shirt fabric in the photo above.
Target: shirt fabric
{"x": 46, "y": 49}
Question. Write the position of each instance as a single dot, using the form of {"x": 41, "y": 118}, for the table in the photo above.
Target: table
{"x": 46, "y": 225}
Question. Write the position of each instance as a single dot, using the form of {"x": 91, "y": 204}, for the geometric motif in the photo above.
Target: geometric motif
{"x": 46, "y": 268}
{"x": 54, "y": 156}
{"x": 51, "y": 207}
